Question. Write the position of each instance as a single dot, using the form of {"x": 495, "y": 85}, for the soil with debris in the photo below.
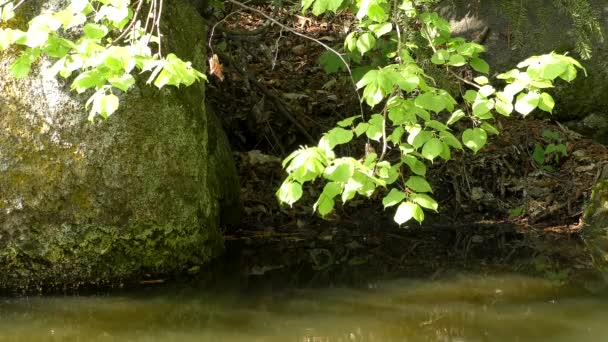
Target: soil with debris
{"x": 502, "y": 209}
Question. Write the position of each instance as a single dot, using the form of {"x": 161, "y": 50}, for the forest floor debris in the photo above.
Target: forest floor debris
{"x": 506, "y": 208}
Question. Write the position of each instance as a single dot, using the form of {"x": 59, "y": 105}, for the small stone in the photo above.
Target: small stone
{"x": 299, "y": 50}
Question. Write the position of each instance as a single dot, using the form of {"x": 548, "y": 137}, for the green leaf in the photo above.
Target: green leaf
{"x": 325, "y": 203}
{"x": 436, "y": 125}
{"x": 381, "y": 29}
{"x": 509, "y": 75}
{"x": 350, "y": 42}
{"x": 546, "y": 102}
{"x": 489, "y": 128}
{"x": 561, "y": 148}
{"x": 404, "y": 213}
{"x": 515, "y": 212}
{"x": 513, "y": 89}
{"x": 36, "y": 37}
{"x": 373, "y": 94}
{"x": 376, "y": 125}
{"x": 348, "y": 121}
{"x": 550, "y": 149}
{"x": 457, "y": 115}
{"x": 487, "y": 90}
{"x": 396, "y": 135}
{"x": 547, "y": 67}
{"x": 480, "y": 65}
{"x": 418, "y": 184}
{"x": 425, "y": 201}
{"x": 9, "y": 36}
{"x": 418, "y": 213}
{"x": 408, "y": 210}
{"x": 6, "y": 11}
{"x": 419, "y": 139}
{"x": 457, "y": 60}
{"x": 87, "y": 80}
{"x": 539, "y": 154}
{"x": 337, "y": 136}
{"x": 430, "y": 101}
{"x": 123, "y": 82}
{"x": 22, "y": 65}
{"x": 108, "y": 105}
{"x": 432, "y": 149}
{"x": 377, "y": 13}
{"x": 361, "y": 128}
{"x": 95, "y": 31}
{"x": 474, "y": 138}
{"x": 365, "y": 42}
{"x": 471, "y": 96}
{"x": 446, "y": 153}
{"x": 503, "y": 108}
{"x": 470, "y": 49}
{"x": 569, "y": 74}
{"x": 331, "y": 62}
{"x": 440, "y": 57}
{"x": 414, "y": 164}
{"x": 482, "y": 108}
{"x": 394, "y": 197}
{"x": 526, "y": 103}
{"x": 450, "y": 140}
{"x": 306, "y": 5}
{"x": 552, "y": 135}
{"x": 340, "y": 172}
{"x": 481, "y": 80}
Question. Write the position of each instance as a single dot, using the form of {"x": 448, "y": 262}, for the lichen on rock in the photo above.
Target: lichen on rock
{"x": 143, "y": 192}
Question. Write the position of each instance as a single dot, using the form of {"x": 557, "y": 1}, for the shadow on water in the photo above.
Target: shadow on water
{"x": 456, "y": 308}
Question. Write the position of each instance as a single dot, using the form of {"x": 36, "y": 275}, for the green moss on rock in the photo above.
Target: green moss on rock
{"x": 596, "y": 210}
{"x": 100, "y": 203}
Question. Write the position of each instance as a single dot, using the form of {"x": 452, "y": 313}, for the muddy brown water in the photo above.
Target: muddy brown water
{"x": 458, "y": 308}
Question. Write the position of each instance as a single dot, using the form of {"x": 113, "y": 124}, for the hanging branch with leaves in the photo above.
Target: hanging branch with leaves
{"x": 103, "y": 43}
{"x": 410, "y": 121}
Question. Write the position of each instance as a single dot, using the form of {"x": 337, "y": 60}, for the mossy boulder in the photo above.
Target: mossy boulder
{"x": 147, "y": 191}
{"x": 596, "y": 210}
{"x": 513, "y": 30}
{"x": 595, "y": 233}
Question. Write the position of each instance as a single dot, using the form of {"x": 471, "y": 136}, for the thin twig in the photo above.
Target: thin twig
{"x": 131, "y": 24}
{"x": 159, "y": 13}
{"x": 384, "y": 142}
{"x": 463, "y": 79}
{"x": 150, "y": 11}
{"x": 14, "y": 7}
{"x": 277, "y": 101}
{"x": 276, "y": 49}
{"x": 216, "y": 24}
{"x": 327, "y": 47}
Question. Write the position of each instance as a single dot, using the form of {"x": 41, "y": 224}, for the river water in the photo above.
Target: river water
{"x": 459, "y": 308}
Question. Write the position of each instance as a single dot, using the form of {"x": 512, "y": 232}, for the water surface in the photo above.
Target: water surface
{"x": 463, "y": 308}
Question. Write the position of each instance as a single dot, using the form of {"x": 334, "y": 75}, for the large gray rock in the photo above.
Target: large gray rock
{"x": 519, "y": 29}
{"x": 143, "y": 192}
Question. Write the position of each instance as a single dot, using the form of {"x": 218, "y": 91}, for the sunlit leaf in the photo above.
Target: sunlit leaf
{"x": 526, "y": 103}
{"x": 474, "y": 138}
{"x": 480, "y": 65}
{"x": 418, "y": 184}
{"x": 394, "y": 197}
{"x": 425, "y": 201}
{"x": 289, "y": 192}
{"x": 432, "y": 149}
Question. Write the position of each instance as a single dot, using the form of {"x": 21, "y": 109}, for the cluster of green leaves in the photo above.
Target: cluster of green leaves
{"x": 414, "y": 118}
{"x": 101, "y": 43}
{"x": 544, "y": 156}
